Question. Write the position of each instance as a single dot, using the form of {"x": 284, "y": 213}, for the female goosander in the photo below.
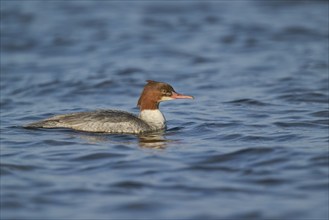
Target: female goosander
{"x": 114, "y": 121}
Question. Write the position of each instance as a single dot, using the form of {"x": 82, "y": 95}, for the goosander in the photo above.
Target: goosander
{"x": 114, "y": 121}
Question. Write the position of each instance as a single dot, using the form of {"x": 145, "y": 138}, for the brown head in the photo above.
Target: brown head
{"x": 156, "y": 92}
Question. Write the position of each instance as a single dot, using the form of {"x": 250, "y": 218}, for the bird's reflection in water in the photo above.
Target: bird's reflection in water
{"x": 154, "y": 140}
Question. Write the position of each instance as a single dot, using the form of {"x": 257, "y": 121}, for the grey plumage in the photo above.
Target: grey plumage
{"x": 110, "y": 121}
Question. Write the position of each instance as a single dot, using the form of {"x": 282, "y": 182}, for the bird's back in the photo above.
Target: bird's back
{"x": 110, "y": 121}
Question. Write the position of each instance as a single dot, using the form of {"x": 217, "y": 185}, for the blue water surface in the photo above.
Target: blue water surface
{"x": 252, "y": 145}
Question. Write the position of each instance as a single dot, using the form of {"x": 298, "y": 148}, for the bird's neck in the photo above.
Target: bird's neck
{"x": 154, "y": 118}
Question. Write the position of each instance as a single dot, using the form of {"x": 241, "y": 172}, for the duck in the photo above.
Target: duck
{"x": 150, "y": 117}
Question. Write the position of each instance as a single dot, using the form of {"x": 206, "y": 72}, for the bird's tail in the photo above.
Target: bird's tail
{"x": 44, "y": 124}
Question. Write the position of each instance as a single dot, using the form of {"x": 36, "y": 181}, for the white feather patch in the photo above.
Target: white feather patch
{"x": 165, "y": 98}
{"x": 154, "y": 118}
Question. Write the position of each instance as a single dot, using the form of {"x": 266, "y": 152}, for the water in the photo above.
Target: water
{"x": 252, "y": 145}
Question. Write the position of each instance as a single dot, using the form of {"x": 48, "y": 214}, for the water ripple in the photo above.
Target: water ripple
{"x": 98, "y": 156}
{"x": 248, "y": 102}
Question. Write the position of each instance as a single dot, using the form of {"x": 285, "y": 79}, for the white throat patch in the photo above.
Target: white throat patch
{"x": 154, "y": 118}
{"x": 165, "y": 98}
